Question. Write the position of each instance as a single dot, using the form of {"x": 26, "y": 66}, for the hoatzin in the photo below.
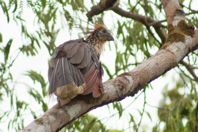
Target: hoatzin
{"x": 75, "y": 68}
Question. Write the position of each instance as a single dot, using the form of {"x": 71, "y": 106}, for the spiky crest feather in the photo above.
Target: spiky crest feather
{"x": 99, "y": 26}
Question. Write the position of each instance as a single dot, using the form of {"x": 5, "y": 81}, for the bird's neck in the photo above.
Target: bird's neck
{"x": 96, "y": 43}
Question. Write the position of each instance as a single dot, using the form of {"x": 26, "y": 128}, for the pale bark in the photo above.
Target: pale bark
{"x": 127, "y": 84}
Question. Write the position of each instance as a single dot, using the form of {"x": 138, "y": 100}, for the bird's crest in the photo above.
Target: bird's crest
{"x": 99, "y": 26}
{"x": 96, "y": 27}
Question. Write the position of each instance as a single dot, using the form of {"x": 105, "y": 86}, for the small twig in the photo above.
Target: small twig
{"x": 124, "y": 107}
{"x": 142, "y": 113}
{"x": 135, "y": 6}
{"x": 190, "y": 69}
{"x": 161, "y": 21}
{"x": 149, "y": 30}
{"x": 185, "y": 74}
{"x": 190, "y": 13}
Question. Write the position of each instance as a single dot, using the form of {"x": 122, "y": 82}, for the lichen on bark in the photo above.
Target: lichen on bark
{"x": 178, "y": 33}
{"x": 39, "y": 121}
{"x": 185, "y": 28}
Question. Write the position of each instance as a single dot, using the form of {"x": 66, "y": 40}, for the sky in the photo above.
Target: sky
{"x": 40, "y": 63}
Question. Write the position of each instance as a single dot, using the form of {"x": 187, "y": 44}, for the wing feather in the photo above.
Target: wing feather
{"x": 59, "y": 75}
{"x": 79, "y": 55}
{"x": 75, "y": 62}
{"x": 86, "y": 59}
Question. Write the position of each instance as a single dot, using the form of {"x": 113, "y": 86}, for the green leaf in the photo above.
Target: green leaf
{"x": 29, "y": 49}
{"x": 107, "y": 71}
{"x": 1, "y": 38}
{"x": 148, "y": 114}
{"x": 43, "y": 2}
{"x": 155, "y": 128}
{"x": 5, "y": 10}
{"x": 34, "y": 114}
{"x": 37, "y": 77}
{"x": 80, "y": 3}
{"x": 15, "y": 5}
{"x": 7, "y": 50}
{"x": 38, "y": 97}
{"x": 113, "y": 130}
{"x": 34, "y": 93}
{"x": 118, "y": 107}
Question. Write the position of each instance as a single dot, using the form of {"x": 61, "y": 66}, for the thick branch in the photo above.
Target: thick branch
{"x": 174, "y": 12}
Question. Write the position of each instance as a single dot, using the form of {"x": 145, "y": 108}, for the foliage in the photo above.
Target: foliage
{"x": 39, "y": 22}
{"x": 87, "y": 123}
{"x": 180, "y": 114}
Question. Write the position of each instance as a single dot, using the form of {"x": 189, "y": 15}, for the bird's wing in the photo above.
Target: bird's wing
{"x": 75, "y": 62}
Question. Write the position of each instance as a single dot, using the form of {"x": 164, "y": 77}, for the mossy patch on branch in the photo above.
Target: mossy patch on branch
{"x": 170, "y": 28}
{"x": 175, "y": 37}
{"x": 177, "y": 34}
{"x": 39, "y": 121}
{"x": 185, "y": 28}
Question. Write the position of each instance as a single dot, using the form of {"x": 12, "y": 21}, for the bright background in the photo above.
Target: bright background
{"x": 39, "y": 63}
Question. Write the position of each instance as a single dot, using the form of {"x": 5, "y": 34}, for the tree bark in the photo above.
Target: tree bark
{"x": 128, "y": 84}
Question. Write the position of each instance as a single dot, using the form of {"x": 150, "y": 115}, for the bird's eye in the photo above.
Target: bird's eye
{"x": 103, "y": 31}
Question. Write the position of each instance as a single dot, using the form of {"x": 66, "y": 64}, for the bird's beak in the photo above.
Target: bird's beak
{"x": 110, "y": 37}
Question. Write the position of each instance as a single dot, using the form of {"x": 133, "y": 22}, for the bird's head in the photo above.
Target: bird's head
{"x": 102, "y": 33}
{"x": 99, "y": 36}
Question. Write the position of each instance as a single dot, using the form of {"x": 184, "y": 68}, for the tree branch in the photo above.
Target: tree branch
{"x": 147, "y": 21}
{"x": 100, "y": 7}
{"x": 191, "y": 10}
{"x": 111, "y": 4}
{"x": 190, "y": 70}
{"x": 126, "y": 84}
{"x": 174, "y": 12}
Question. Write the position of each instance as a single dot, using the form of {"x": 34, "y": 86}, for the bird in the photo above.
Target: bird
{"x": 75, "y": 67}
